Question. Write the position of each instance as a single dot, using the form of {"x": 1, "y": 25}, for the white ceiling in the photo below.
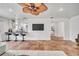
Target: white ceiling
{"x": 67, "y": 10}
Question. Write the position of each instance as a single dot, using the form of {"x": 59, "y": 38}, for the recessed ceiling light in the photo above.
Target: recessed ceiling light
{"x": 10, "y": 10}
{"x": 60, "y": 9}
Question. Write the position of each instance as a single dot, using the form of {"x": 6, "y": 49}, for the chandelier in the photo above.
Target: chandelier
{"x": 33, "y": 8}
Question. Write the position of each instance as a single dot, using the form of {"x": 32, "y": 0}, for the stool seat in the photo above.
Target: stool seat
{"x": 8, "y": 33}
{"x": 16, "y": 34}
{"x": 23, "y": 34}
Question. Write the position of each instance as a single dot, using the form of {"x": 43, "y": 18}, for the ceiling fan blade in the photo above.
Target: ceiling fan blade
{"x": 26, "y": 10}
{"x": 34, "y": 12}
{"x": 42, "y": 8}
{"x": 24, "y": 4}
{"x": 37, "y": 4}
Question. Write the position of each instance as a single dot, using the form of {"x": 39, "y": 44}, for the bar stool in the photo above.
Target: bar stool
{"x": 23, "y": 34}
{"x": 16, "y": 34}
{"x": 8, "y": 34}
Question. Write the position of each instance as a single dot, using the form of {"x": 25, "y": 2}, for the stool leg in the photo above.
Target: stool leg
{"x": 8, "y": 38}
{"x": 23, "y": 38}
{"x": 15, "y": 38}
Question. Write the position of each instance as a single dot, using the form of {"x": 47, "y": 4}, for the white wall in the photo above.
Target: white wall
{"x": 74, "y": 27}
{"x": 70, "y": 27}
{"x": 38, "y": 35}
{"x": 3, "y": 28}
{"x": 67, "y": 29}
{"x": 61, "y": 27}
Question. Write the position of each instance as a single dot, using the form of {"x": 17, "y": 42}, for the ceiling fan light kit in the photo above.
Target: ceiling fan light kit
{"x": 33, "y": 8}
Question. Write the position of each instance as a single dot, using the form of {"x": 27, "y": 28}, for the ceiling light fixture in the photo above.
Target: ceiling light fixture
{"x": 10, "y": 10}
{"x": 61, "y": 9}
{"x": 33, "y": 8}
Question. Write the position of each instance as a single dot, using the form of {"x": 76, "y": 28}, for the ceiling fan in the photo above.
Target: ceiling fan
{"x": 33, "y": 8}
